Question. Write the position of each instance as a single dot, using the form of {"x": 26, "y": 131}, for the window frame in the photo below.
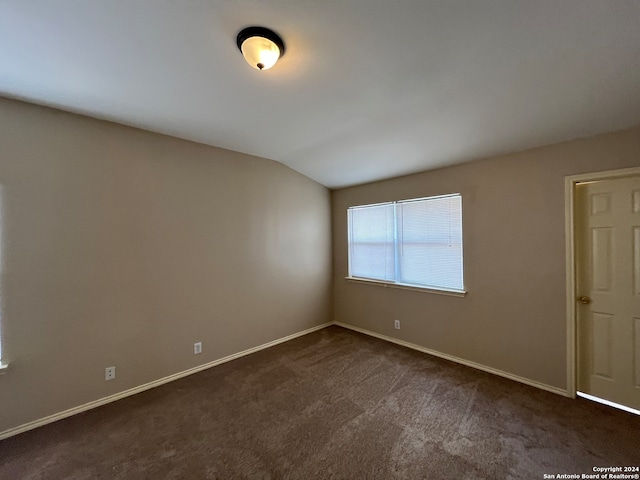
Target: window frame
{"x": 400, "y": 285}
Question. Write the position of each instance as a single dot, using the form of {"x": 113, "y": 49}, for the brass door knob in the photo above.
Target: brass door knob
{"x": 584, "y": 299}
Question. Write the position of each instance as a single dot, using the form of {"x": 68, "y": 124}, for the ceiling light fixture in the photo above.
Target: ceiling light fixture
{"x": 260, "y": 47}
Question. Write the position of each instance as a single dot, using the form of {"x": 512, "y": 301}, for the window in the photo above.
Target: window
{"x": 414, "y": 243}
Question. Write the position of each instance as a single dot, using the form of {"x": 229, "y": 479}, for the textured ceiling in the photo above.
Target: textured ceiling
{"x": 367, "y": 90}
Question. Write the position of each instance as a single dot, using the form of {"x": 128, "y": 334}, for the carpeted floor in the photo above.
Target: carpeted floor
{"x": 332, "y": 404}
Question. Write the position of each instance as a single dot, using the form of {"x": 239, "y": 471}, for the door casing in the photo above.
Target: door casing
{"x": 571, "y": 293}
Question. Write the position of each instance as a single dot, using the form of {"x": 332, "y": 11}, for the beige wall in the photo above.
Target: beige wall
{"x": 122, "y": 247}
{"x": 513, "y": 317}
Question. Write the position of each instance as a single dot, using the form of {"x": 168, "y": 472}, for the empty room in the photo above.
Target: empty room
{"x": 367, "y": 239}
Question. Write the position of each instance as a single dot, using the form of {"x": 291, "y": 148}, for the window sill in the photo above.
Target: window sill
{"x": 379, "y": 283}
{"x": 3, "y": 368}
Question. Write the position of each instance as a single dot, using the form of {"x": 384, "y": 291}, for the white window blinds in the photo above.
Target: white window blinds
{"x": 412, "y": 242}
{"x": 371, "y": 241}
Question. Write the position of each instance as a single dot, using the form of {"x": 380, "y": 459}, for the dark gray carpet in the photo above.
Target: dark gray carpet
{"x": 331, "y": 404}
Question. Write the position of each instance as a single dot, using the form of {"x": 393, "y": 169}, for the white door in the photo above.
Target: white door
{"x": 608, "y": 287}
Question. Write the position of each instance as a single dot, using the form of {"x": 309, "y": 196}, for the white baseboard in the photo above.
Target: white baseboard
{"x": 452, "y": 358}
{"x": 156, "y": 383}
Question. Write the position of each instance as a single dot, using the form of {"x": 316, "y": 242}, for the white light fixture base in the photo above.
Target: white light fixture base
{"x": 260, "y": 47}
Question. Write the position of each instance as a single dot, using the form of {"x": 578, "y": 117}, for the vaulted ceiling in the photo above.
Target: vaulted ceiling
{"x": 367, "y": 89}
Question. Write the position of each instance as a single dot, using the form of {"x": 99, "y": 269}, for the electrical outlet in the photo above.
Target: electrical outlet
{"x": 396, "y": 324}
{"x": 197, "y": 348}
{"x": 110, "y": 373}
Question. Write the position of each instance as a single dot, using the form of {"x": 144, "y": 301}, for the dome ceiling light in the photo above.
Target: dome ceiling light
{"x": 260, "y": 47}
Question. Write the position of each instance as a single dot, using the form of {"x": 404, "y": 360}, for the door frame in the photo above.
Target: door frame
{"x": 570, "y": 183}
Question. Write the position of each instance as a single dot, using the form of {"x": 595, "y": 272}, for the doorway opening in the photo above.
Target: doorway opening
{"x": 603, "y": 267}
